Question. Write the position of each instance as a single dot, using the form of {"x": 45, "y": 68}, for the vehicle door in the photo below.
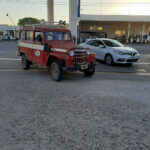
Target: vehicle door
{"x": 38, "y": 48}
{"x": 28, "y": 44}
{"x": 96, "y": 47}
{"x": 22, "y": 43}
{"x": 90, "y": 44}
{"x": 100, "y": 49}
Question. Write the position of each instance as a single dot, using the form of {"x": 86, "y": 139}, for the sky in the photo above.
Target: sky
{"x": 18, "y": 9}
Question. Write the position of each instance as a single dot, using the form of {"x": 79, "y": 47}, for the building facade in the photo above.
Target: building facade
{"x": 8, "y": 32}
{"x": 118, "y": 27}
{"x": 121, "y": 27}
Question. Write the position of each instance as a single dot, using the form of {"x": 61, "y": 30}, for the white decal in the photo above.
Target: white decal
{"x": 37, "y": 53}
{"x": 32, "y": 46}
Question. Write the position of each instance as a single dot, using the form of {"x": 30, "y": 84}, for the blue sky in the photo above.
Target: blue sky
{"x": 18, "y": 9}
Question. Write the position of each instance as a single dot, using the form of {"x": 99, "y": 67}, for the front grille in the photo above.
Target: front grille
{"x": 131, "y": 60}
{"x": 80, "y": 57}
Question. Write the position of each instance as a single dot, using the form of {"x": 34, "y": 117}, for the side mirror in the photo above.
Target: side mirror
{"x": 101, "y": 46}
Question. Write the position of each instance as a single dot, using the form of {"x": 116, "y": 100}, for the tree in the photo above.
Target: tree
{"x": 28, "y": 20}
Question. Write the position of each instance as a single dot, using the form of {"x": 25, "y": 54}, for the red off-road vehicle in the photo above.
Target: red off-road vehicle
{"x": 53, "y": 47}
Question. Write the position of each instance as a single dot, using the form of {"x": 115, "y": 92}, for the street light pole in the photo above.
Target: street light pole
{"x": 11, "y": 19}
{"x": 13, "y": 24}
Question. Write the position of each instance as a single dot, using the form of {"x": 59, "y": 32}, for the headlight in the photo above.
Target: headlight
{"x": 88, "y": 52}
{"x": 118, "y": 52}
{"x": 71, "y": 53}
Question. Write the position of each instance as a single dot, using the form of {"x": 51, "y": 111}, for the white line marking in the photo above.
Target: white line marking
{"x": 143, "y": 63}
{"x": 141, "y": 70}
{"x": 115, "y": 73}
{"x": 98, "y": 73}
{"x": 12, "y": 59}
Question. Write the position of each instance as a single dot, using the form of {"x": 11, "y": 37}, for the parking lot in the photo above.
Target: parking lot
{"x": 110, "y": 111}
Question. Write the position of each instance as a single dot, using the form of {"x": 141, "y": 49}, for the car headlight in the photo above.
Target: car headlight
{"x": 88, "y": 52}
{"x": 118, "y": 52}
{"x": 71, "y": 53}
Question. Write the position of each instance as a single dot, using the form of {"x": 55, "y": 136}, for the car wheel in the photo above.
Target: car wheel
{"x": 108, "y": 60}
{"x": 25, "y": 63}
{"x": 56, "y": 71}
{"x": 90, "y": 71}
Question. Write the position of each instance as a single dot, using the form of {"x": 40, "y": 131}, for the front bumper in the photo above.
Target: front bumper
{"x": 80, "y": 67}
{"x": 125, "y": 59}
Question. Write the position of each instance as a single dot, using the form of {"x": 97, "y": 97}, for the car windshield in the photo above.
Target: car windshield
{"x": 113, "y": 43}
{"x": 58, "y": 36}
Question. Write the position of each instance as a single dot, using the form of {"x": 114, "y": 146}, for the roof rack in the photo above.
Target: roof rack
{"x": 44, "y": 26}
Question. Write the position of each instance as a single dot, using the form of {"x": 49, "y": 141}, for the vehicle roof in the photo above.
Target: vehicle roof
{"x": 45, "y": 27}
{"x": 100, "y": 39}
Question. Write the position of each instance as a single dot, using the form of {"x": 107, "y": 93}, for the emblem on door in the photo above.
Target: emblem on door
{"x": 37, "y": 53}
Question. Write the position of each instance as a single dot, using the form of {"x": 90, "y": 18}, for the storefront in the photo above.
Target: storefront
{"x": 122, "y": 28}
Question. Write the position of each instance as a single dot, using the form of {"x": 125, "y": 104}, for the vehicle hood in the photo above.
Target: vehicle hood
{"x": 125, "y": 49}
{"x": 66, "y": 46}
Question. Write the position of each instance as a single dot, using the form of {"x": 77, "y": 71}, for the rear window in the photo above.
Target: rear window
{"x": 58, "y": 36}
{"x": 22, "y": 35}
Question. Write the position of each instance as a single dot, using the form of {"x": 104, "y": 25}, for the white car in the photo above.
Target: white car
{"x": 111, "y": 51}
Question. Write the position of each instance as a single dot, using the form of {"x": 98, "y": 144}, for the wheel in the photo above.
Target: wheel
{"x": 90, "y": 71}
{"x": 25, "y": 63}
{"x": 56, "y": 71}
{"x": 108, "y": 60}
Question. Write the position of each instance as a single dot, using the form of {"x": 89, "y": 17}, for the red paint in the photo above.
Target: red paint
{"x": 44, "y": 55}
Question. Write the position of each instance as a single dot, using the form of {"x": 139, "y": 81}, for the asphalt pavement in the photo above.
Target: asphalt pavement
{"x": 110, "y": 111}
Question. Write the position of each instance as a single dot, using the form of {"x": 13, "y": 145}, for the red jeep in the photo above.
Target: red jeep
{"x": 52, "y": 46}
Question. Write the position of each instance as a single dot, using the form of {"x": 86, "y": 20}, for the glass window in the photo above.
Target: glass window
{"x": 58, "y": 36}
{"x": 37, "y": 36}
{"x": 29, "y": 35}
{"x": 98, "y": 43}
{"x": 113, "y": 43}
{"x": 90, "y": 42}
{"x": 22, "y": 35}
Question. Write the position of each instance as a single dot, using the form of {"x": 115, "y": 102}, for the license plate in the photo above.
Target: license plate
{"x": 83, "y": 67}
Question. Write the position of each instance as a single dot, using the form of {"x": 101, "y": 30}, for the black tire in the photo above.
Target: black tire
{"x": 56, "y": 71}
{"x": 109, "y": 60}
{"x": 25, "y": 63}
{"x": 90, "y": 71}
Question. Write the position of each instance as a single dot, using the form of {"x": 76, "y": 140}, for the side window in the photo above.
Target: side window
{"x": 93, "y": 43}
{"x": 38, "y": 36}
{"x": 22, "y": 35}
{"x": 29, "y": 35}
{"x": 98, "y": 43}
{"x": 90, "y": 42}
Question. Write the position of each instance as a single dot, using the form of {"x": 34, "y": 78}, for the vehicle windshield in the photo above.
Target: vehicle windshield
{"x": 58, "y": 36}
{"x": 113, "y": 43}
